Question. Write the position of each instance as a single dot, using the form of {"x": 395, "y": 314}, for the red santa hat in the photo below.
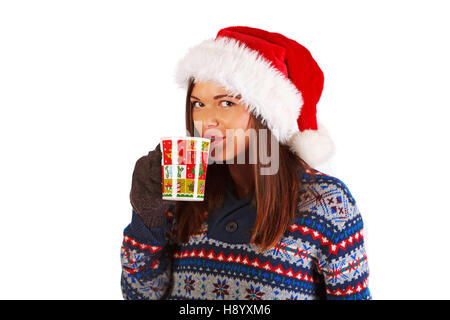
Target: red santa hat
{"x": 277, "y": 78}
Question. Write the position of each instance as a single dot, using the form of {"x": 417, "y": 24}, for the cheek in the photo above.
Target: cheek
{"x": 240, "y": 121}
{"x": 194, "y": 115}
{"x": 197, "y": 119}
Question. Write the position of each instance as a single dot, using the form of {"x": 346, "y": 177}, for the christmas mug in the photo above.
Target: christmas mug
{"x": 183, "y": 163}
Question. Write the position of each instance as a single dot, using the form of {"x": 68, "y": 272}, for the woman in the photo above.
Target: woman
{"x": 278, "y": 230}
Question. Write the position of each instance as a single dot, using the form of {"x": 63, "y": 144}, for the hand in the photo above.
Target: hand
{"x": 146, "y": 189}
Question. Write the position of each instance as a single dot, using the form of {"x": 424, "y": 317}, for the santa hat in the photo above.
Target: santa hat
{"x": 277, "y": 78}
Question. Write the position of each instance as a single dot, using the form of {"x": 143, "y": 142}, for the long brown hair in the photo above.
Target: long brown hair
{"x": 275, "y": 196}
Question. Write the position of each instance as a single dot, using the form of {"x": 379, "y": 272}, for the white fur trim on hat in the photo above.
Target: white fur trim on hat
{"x": 264, "y": 89}
{"x": 313, "y": 146}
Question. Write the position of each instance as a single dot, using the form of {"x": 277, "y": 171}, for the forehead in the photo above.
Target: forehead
{"x": 209, "y": 88}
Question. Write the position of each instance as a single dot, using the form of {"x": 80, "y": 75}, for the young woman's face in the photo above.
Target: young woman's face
{"x": 216, "y": 112}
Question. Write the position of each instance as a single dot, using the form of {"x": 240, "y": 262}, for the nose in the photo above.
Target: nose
{"x": 210, "y": 118}
{"x": 207, "y": 120}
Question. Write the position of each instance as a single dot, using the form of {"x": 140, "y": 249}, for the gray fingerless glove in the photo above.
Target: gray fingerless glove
{"x": 146, "y": 190}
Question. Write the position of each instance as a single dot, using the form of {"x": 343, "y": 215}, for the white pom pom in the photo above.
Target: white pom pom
{"x": 313, "y": 146}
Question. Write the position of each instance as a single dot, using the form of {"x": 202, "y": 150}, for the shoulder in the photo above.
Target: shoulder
{"x": 325, "y": 183}
{"x": 326, "y": 199}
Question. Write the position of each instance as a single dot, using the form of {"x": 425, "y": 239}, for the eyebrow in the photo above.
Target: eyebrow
{"x": 221, "y": 96}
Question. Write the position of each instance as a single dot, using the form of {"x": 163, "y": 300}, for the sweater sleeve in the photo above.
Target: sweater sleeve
{"x": 345, "y": 268}
{"x": 146, "y": 259}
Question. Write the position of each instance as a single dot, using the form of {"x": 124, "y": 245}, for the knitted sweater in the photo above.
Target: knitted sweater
{"x": 320, "y": 256}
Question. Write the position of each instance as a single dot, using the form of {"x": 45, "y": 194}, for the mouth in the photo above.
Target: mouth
{"x": 216, "y": 139}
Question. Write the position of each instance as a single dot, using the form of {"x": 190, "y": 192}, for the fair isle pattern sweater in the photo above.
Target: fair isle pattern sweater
{"x": 320, "y": 256}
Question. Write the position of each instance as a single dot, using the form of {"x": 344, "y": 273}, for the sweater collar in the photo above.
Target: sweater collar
{"x": 239, "y": 212}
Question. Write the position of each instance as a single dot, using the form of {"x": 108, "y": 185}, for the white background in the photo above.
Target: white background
{"x": 87, "y": 87}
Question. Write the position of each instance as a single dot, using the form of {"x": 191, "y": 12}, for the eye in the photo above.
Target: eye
{"x": 229, "y": 105}
{"x": 194, "y": 102}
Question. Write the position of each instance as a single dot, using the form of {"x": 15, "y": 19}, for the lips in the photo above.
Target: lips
{"x": 215, "y": 138}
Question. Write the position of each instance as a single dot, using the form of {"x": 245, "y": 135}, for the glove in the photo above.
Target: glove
{"x": 146, "y": 190}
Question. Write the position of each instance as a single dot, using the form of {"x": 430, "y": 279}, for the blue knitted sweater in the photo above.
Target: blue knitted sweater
{"x": 320, "y": 256}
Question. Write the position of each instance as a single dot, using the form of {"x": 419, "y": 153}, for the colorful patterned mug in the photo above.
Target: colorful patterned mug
{"x": 183, "y": 164}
